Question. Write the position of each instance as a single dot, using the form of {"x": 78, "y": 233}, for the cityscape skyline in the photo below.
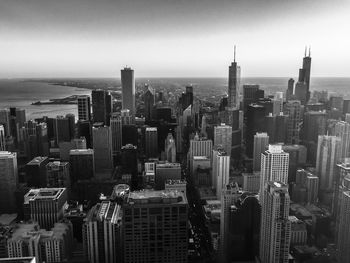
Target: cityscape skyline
{"x": 171, "y": 38}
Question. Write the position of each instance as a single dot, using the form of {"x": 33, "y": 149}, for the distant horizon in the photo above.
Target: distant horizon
{"x": 176, "y": 77}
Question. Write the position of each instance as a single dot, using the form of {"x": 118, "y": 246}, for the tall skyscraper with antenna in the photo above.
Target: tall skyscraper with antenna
{"x": 234, "y": 76}
{"x": 302, "y": 87}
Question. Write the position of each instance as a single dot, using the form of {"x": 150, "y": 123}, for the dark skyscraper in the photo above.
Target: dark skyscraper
{"x": 84, "y": 108}
{"x": 36, "y": 172}
{"x": 234, "y": 76}
{"x": 101, "y": 106}
{"x": 255, "y": 123}
{"x": 128, "y": 89}
{"x": 149, "y": 101}
{"x": 302, "y": 87}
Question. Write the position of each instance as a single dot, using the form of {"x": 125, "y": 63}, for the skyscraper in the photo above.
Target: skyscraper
{"x": 343, "y": 228}
{"x": 58, "y": 174}
{"x": 151, "y": 142}
{"x": 116, "y": 128}
{"x": 328, "y": 150}
{"x": 155, "y": 225}
{"x": 223, "y": 137}
{"x": 294, "y": 111}
{"x": 128, "y": 89}
{"x": 251, "y": 94}
{"x": 5, "y": 120}
{"x": 234, "y": 76}
{"x": 9, "y": 181}
{"x": 274, "y": 167}
{"x": 2, "y": 138}
{"x": 101, "y": 106}
{"x": 82, "y": 164}
{"x": 102, "y": 233}
{"x": 102, "y": 145}
{"x": 342, "y": 130}
{"x": 221, "y": 171}
{"x": 302, "y": 88}
{"x": 229, "y": 194}
{"x": 46, "y": 205}
{"x": 149, "y": 101}
{"x": 84, "y": 108}
{"x": 261, "y": 141}
{"x": 170, "y": 149}
{"x": 275, "y": 226}
{"x": 36, "y": 172}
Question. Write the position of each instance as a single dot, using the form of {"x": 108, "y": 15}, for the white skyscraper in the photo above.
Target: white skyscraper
{"x": 9, "y": 181}
{"x": 274, "y": 167}
{"x": 221, "y": 171}
{"x": 223, "y": 137}
{"x": 328, "y": 151}
{"x": 275, "y": 227}
{"x": 261, "y": 141}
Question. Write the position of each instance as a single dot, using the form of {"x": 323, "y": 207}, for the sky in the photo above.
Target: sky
{"x": 172, "y": 38}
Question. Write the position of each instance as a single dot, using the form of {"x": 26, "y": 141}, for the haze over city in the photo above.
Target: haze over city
{"x": 172, "y": 38}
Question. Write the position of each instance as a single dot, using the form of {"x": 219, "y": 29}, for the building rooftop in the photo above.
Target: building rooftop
{"x": 43, "y": 193}
{"x": 81, "y": 152}
{"x": 19, "y": 260}
{"x": 37, "y": 160}
{"x": 198, "y": 158}
{"x": 168, "y": 165}
{"x": 174, "y": 181}
{"x": 159, "y": 197}
{"x": 151, "y": 129}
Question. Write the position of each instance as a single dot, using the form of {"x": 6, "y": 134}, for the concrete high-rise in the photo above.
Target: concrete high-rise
{"x": 128, "y": 90}
{"x": 274, "y": 167}
{"x": 9, "y": 181}
{"x": 145, "y": 239}
{"x": 223, "y": 137}
{"x": 46, "y": 205}
{"x": 328, "y": 151}
{"x": 261, "y": 141}
{"x": 84, "y": 108}
{"x": 102, "y": 233}
{"x": 151, "y": 142}
{"x": 275, "y": 229}
{"x": 234, "y": 78}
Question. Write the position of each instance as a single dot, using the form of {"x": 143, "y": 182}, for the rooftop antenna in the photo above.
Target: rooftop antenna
{"x": 234, "y": 53}
{"x": 305, "y": 51}
{"x": 309, "y": 51}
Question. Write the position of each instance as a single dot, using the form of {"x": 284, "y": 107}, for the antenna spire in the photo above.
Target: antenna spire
{"x": 309, "y": 51}
{"x": 305, "y": 51}
{"x": 234, "y": 53}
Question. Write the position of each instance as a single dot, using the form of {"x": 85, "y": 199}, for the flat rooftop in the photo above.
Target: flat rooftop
{"x": 160, "y": 197}
{"x": 81, "y": 151}
{"x": 37, "y": 160}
